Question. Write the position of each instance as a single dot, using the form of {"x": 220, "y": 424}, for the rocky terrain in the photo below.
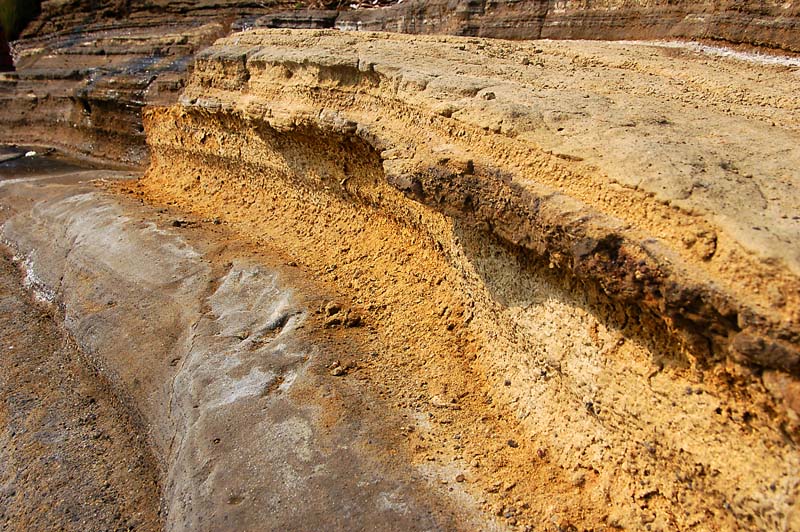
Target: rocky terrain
{"x": 538, "y": 215}
{"x": 384, "y": 281}
{"x": 85, "y": 92}
{"x": 85, "y": 70}
{"x": 71, "y": 457}
{"x": 766, "y": 23}
{"x": 243, "y": 372}
{"x": 770, "y": 23}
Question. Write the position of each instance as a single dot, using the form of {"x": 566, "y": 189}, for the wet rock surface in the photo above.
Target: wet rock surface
{"x": 85, "y": 90}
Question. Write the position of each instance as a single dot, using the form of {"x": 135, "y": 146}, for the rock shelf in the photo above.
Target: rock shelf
{"x": 600, "y": 231}
{"x": 411, "y": 281}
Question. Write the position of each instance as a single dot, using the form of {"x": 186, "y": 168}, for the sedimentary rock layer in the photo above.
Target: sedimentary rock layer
{"x": 617, "y": 239}
{"x": 774, "y": 24}
{"x": 472, "y": 145}
{"x": 768, "y": 23}
{"x": 86, "y": 69}
{"x": 84, "y": 91}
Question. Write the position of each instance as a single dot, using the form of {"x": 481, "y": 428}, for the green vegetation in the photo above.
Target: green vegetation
{"x": 15, "y": 15}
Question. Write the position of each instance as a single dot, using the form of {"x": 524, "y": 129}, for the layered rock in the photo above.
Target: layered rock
{"x": 224, "y": 361}
{"x": 770, "y": 23}
{"x": 589, "y": 253}
{"x": 86, "y": 69}
{"x": 85, "y": 92}
{"x": 620, "y": 257}
{"x": 773, "y": 24}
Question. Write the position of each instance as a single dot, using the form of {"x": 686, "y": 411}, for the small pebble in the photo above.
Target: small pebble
{"x": 541, "y": 453}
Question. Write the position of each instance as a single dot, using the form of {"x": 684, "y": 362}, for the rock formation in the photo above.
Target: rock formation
{"x": 224, "y": 361}
{"x": 570, "y": 268}
{"x": 86, "y": 69}
{"x": 771, "y": 23}
{"x": 605, "y": 236}
{"x": 767, "y": 23}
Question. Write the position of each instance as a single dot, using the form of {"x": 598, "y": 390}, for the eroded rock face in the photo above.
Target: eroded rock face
{"x": 771, "y": 23}
{"x": 86, "y": 69}
{"x": 85, "y": 91}
{"x": 767, "y": 23}
{"x": 226, "y": 363}
{"x": 577, "y": 261}
{"x": 606, "y": 277}
{"x": 529, "y": 196}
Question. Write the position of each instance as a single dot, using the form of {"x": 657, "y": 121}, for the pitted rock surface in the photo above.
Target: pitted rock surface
{"x": 565, "y": 231}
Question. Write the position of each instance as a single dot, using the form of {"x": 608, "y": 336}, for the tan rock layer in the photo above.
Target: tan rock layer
{"x": 380, "y": 164}
{"x": 715, "y": 318}
{"x": 86, "y": 68}
{"x": 632, "y": 272}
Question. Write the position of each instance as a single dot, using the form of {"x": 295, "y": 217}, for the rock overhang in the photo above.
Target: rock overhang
{"x": 461, "y": 125}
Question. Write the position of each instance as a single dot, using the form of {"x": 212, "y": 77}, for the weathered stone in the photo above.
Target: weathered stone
{"x": 241, "y": 422}
{"x": 771, "y": 23}
{"x": 92, "y": 66}
{"x": 561, "y": 207}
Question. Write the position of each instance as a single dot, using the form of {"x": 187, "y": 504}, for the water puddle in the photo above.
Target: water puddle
{"x": 17, "y": 162}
